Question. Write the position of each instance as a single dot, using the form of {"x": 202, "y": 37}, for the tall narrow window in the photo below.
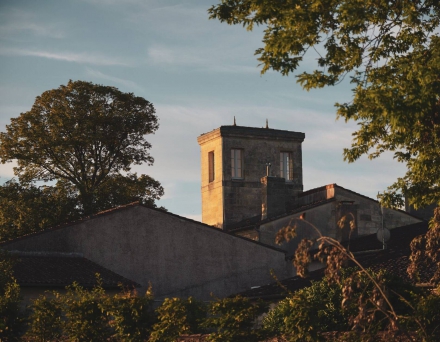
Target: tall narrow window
{"x": 211, "y": 166}
{"x": 286, "y": 166}
{"x": 237, "y": 163}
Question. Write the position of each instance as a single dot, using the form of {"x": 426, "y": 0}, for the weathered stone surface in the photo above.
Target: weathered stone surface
{"x": 227, "y": 200}
{"x": 329, "y": 210}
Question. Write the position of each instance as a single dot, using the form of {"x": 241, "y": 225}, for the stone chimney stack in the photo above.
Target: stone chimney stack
{"x": 273, "y": 196}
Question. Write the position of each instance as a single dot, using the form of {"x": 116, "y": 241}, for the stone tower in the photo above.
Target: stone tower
{"x": 234, "y": 165}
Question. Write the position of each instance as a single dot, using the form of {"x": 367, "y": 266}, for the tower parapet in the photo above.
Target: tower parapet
{"x": 233, "y": 161}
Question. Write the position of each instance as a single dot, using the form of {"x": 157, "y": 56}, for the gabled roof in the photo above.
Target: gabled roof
{"x": 127, "y": 207}
{"x": 334, "y": 185}
{"x": 256, "y": 221}
{"x": 368, "y": 251}
{"x": 61, "y": 270}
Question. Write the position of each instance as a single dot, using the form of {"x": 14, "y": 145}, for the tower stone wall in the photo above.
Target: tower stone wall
{"x": 227, "y": 199}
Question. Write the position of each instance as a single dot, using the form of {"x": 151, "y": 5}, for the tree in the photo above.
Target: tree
{"x": 84, "y": 134}
{"x": 26, "y": 208}
{"x": 391, "y": 52}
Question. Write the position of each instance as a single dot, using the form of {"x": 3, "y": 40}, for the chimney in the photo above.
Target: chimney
{"x": 273, "y": 197}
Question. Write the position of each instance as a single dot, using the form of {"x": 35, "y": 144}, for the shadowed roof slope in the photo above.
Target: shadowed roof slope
{"x": 43, "y": 269}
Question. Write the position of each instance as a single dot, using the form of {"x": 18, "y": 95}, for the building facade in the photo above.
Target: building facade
{"x": 236, "y": 163}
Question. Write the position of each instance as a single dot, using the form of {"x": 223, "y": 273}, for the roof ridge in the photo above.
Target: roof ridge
{"x": 128, "y": 206}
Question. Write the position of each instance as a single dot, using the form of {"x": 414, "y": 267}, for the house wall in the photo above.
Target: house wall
{"x": 179, "y": 257}
{"x": 321, "y": 218}
{"x": 369, "y": 216}
{"x": 333, "y": 218}
{"x": 212, "y": 192}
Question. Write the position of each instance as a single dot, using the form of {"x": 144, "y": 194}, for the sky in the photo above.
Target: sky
{"x": 198, "y": 73}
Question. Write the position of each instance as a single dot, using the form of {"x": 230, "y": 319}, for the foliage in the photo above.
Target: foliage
{"x": 375, "y": 301}
{"x": 120, "y": 190}
{"x": 26, "y": 208}
{"x": 11, "y": 319}
{"x": 233, "y": 320}
{"x": 308, "y": 312}
{"x": 177, "y": 317}
{"x": 131, "y": 315}
{"x": 85, "y": 313}
{"x": 391, "y": 52}
{"x": 82, "y": 134}
{"x": 427, "y": 315}
{"x": 91, "y": 315}
{"x": 46, "y": 322}
{"x": 425, "y": 251}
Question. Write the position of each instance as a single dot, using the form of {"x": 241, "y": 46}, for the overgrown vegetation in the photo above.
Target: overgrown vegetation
{"x": 371, "y": 302}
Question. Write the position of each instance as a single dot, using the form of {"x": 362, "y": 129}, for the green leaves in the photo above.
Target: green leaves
{"x": 390, "y": 49}
{"x": 11, "y": 319}
{"x": 177, "y": 317}
{"x": 81, "y": 133}
{"x": 26, "y": 208}
{"x": 234, "y": 320}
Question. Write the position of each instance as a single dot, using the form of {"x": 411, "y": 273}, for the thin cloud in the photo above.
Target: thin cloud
{"x": 16, "y": 21}
{"x": 117, "y": 80}
{"x": 206, "y": 60}
{"x": 82, "y": 58}
{"x": 37, "y": 29}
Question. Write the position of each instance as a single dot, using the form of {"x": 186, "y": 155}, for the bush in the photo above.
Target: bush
{"x": 45, "y": 319}
{"x": 11, "y": 320}
{"x": 233, "y": 320}
{"x": 308, "y": 312}
{"x": 132, "y": 315}
{"x": 177, "y": 317}
{"x": 86, "y": 313}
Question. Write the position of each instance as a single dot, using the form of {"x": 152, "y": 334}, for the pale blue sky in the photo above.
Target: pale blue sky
{"x": 198, "y": 73}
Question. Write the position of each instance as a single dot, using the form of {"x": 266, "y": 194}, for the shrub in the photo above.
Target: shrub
{"x": 177, "y": 317}
{"x": 233, "y": 320}
{"x": 131, "y": 315}
{"x": 11, "y": 320}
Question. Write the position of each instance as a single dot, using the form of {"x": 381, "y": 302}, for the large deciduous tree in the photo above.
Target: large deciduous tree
{"x": 391, "y": 52}
{"x": 88, "y": 136}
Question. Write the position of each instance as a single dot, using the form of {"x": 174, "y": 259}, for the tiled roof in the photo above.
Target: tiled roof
{"x": 39, "y": 269}
{"x": 368, "y": 251}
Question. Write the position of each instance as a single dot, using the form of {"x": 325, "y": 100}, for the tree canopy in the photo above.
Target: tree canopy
{"x": 87, "y": 136}
{"x": 390, "y": 50}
